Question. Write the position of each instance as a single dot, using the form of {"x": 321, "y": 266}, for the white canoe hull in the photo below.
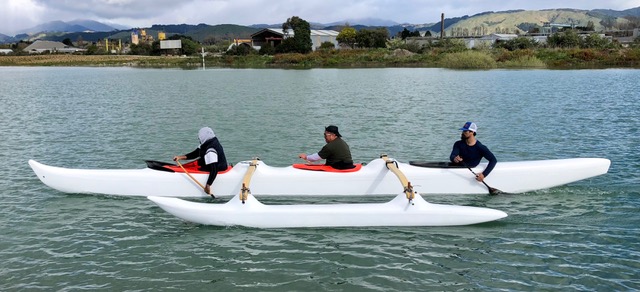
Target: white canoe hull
{"x": 397, "y": 212}
{"x": 373, "y": 179}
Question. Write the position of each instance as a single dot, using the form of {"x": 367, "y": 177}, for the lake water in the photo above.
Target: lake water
{"x": 579, "y": 237}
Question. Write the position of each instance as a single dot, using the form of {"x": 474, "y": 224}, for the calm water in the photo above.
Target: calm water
{"x": 579, "y": 237}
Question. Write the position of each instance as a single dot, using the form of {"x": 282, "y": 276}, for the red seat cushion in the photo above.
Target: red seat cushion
{"x": 322, "y": 167}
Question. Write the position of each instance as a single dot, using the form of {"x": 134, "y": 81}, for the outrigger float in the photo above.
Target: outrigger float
{"x": 408, "y": 209}
{"x": 168, "y": 180}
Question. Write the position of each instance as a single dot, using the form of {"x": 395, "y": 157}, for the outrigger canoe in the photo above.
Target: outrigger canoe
{"x": 374, "y": 178}
{"x": 397, "y": 212}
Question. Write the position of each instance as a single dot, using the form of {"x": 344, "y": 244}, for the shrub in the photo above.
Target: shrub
{"x": 241, "y": 50}
{"x": 327, "y": 46}
{"x": 446, "y": 45}
{"x": 524, "y": 62}
{"x": 519, "y": 43}
{"x": 468, "y": 60}
{"x": 568, "y": 39}
{"x": 267, "y": 49}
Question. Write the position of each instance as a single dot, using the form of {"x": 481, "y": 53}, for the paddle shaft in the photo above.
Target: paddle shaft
{"x": 474, "y": 173}
{"x": 193, "y": 178}
{"x": 491, "y": 190}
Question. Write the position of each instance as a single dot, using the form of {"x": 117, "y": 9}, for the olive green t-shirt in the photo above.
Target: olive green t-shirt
{"x": 336, "y": 151}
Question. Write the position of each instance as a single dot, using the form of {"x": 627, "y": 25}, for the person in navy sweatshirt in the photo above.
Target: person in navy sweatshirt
{"x": 468, "y": 151}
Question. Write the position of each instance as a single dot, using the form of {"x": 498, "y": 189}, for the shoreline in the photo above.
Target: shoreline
{"x": 539, "y": 59}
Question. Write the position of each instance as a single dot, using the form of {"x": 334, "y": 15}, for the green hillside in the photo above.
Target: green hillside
{"x": 207, "y": 33}
{"x": 202, "y": 33}
{"x": 518, "y": 21}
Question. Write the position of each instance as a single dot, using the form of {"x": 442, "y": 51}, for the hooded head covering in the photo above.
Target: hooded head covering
{"x": 205, "y": 134}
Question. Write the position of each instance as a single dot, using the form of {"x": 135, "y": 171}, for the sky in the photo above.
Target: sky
{"x": 17, "y": 15}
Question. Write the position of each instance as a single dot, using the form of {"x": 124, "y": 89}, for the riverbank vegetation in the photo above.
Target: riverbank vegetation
{"x": 553, "y": 58}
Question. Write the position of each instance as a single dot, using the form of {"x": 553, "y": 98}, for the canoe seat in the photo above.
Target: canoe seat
{"x": 191, "y": 167}
{"x": 322, "y": 167}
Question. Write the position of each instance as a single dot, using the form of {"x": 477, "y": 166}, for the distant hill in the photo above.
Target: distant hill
{"x": 364, "y": 22}
{"x": 512, "y": 21}
{"x": 203, "y": 33}
{"x": 519, "y": 21}
{"x": 79, "y": 25}
{"x": 4, "y": 38}
{"x": 207, "y": 33}
{"x": 635, "y": 12}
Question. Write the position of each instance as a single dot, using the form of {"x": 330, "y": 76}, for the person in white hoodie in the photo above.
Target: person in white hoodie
{"x": 210, "y": 156}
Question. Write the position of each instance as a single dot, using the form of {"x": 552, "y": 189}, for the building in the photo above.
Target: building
{"x": 489, "y": 40}
{"x": 274, "y": 36}
{"x": 469, "y": 42}
{"x": 49, "y": 46}
{"x": 141, "y": 36}
{"x": 6, "y": 51}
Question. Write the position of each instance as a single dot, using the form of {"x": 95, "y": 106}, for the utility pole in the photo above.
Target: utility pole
{"x": 202, "y": 57}
{"x": 442, "y": 26}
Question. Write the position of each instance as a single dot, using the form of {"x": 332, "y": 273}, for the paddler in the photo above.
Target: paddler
{"x": 210, "y": 156}
{"x": 468, "y": 151}
{"x": 336, "y": 152}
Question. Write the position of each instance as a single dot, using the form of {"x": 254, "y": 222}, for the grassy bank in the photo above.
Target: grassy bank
{"x": 468, "y": 59}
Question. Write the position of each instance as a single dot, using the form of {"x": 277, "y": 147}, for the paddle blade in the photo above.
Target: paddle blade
{"x": 494, "y": 191}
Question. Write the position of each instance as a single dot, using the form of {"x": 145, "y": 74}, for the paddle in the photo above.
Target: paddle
{"x": 193, "y": 178}
{"x": 492, "y": 191}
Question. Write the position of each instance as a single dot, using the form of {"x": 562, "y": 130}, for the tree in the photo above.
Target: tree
{"x": 568, "y": 39}
{"x": 241, "y": 50}
{"x": 80, "y": 41}
{"x": 139, "y": 49}
{"x": 595, "y": 41}
{"x": 189, "y": 46}
{"x": 375, "y": 38}
{"x": 267, "y": 49}
{"x": 93, "y": 50}
{"x": 636, "y": 42}
{"x": 608, "y": 22}
{"x": 67, "y": 42}
{"x": 301, "y": 40}
{"x": 347, "y": 36}
{"x": 404, "y": 34}
{"x": 634, "y": 22}
{"x": 519, "y": 43}
{"x": 327, "y": 46}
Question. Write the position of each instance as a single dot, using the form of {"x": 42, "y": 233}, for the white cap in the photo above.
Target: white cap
{"x": 469, "y": 126}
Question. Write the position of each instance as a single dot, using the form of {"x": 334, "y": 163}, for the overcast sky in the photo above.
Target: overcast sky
{"x": 22, "y": 14}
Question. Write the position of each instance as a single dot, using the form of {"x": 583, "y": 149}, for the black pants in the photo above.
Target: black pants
{"x": 342, "y": 165}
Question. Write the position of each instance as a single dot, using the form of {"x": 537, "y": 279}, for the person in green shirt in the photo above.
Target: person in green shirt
{"x": 336, "y": 152}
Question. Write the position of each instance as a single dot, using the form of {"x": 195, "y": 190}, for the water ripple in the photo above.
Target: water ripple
{"x": 580, "y": 237}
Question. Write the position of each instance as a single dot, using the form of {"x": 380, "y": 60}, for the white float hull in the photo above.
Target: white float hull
{"x": 373, "y": 179}
{"x": 397, "y": 212}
